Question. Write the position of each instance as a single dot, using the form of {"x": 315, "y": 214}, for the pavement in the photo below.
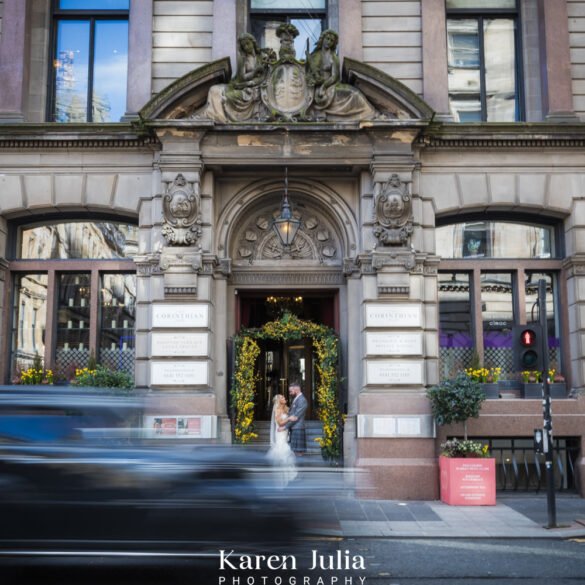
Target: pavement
{"x": 514, "y": 516}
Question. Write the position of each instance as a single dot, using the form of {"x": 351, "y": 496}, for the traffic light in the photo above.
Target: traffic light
{"x": 527, "y": 347}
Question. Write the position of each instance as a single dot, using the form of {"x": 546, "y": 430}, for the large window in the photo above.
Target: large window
{"x": 309, "y": 16}
{"x": 482, "y": 39}
{"x": 488, "y": 282}
{"x": 90, "y": 60}
{"x": 74, "y": 295}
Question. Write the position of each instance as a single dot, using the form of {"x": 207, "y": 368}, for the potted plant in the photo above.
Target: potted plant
{"x": 532, "y": 384}
{"x": 468, "y": 475}
{"x": 557, "y": 384}
{"x": 488, "y": 380}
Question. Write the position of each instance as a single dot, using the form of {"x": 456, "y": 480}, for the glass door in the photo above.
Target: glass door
{"x": 280, "y": 364}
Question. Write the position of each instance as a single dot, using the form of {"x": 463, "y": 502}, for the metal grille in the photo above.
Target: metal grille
{"x": 454, "y": 360}
{"x": 519, "y": 468}
{"x": 499, "y": 357}
{"x": 118, "y": 359}
{"x": 68, "y": 360}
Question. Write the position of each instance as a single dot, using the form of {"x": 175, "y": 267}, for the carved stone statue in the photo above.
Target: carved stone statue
{"x": 333, "y": 100}
{"x": 266, "y": 89}
{"x": 182, "y": 214}
{"x": 393, "y": 213}
{"x": 239, "y": 100}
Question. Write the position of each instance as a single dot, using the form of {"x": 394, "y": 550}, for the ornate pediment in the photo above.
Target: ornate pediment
{"x": 282, "y": 88}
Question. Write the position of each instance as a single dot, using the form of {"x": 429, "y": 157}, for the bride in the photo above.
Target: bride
{"x": 280, "y": 453}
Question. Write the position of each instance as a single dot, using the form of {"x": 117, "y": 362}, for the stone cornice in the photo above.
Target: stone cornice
{"x": 513, "y": 135}
{"x": 78, "y": 136}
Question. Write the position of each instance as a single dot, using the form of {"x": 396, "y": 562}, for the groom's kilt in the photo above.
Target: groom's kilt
{"x": 298, "y": 440}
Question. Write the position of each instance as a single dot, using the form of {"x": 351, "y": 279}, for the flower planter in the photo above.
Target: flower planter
{"x": 532, "y": 390}
{"x": 491, "y": 389}
{"x": 468, "y": 482}
{"x": 557, "y": 390}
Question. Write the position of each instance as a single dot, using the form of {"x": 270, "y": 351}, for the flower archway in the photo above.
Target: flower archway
{"x": 289, "y": 328}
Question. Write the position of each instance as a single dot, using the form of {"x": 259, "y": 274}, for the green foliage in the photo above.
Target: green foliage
{"x": 102, "y": 377}
{"x": 456, "y": 448}
{"x": 456, "y": 400}
{"x": 325, "y": 344}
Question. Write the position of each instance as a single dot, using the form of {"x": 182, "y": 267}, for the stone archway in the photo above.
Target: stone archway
{"x": 327, "y": 239}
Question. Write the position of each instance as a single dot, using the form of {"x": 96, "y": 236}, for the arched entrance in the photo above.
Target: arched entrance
{"x": 282, "y": 362}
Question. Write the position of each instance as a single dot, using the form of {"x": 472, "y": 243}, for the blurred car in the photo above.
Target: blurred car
{"x": 63, "y": 494}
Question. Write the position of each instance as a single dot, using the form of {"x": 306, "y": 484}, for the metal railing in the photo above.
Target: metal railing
{"x": 520, "y": 469}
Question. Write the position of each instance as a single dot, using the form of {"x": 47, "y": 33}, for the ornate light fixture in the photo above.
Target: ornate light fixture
{"x": 286, "y": 225}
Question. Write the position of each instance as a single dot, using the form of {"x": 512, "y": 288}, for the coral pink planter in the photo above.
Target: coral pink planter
{"x": 468, "y": 482}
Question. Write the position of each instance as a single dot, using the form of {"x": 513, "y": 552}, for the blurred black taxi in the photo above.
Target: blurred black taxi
{"x": 75, "y": 480}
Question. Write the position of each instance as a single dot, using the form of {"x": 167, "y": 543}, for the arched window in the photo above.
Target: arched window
{"x": 73, "y": 296}
{"x": 488, "y": 281}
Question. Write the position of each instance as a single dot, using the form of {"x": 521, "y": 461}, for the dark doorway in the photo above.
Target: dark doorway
{"x": 281, "y": 363}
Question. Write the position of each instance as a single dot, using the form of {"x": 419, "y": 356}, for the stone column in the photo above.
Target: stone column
{"x": 139, "y": 57}
{"x": 556, "y": 77}
{"x": 395, "y": 429}
{"x": 434, "y": 46}
{"x": 14, "y": 57}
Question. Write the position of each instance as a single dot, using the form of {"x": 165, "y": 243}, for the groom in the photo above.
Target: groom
{"x": 296, "y": 420}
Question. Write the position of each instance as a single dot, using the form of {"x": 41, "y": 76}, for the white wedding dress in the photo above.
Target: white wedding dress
{"x": 281, "y": 455}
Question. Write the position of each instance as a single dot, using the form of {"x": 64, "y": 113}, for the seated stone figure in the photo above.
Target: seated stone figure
{"x": 239, "y": 100}
{"x": 333, "y": 101}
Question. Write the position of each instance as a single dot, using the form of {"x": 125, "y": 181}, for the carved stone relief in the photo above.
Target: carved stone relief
{"x": 315, "y": 241}
{"x": 181, "y": 214}
{"x": 286, "y": 89}
{"x": 393, "y": 213}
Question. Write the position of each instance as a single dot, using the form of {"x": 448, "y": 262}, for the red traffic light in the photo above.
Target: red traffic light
{"x": 528, "y": 338}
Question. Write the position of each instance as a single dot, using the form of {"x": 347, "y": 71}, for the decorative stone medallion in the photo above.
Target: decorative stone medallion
{"x": 182, "y": 214}
{"x": 393, "y": 213}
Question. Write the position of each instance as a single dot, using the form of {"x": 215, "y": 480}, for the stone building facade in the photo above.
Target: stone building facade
{"x": 423, "y": 232}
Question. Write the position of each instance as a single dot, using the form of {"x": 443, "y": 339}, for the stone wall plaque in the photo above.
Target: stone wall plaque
{"x": 180, "y": 315}
{"x": 393, "y": 372}
{"x": 393, "y": 315}
{"x": 416, "y": 426}
{"x": 180, "y": 344}
{"x": 394, "y": 343}
{"x": 174, "y": 373}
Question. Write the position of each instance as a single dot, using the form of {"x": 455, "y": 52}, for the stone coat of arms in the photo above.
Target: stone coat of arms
{"x": 270, "y": 88}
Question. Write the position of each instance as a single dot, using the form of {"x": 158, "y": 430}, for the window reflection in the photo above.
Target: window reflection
{"x": 481, "y": 4}
{"x": 73, "y": 324}
{"x": 30, "y": 312}
{"x": 307, "y": 15}
{"x": 118, "y": 314}
{"x": 497, "y": 314}
{"x": 488, "y": 239}
{"x": 110, "y": 66}
{"x": 482, "y": 65}
{"x": 71, "y": 71}
{"x": 90, "y": 62}
{"x": 500, "y": 70}
{"x": 92, "y": 240}
{"x": 456, "y": 341}
{"x": 94, "y": 4}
